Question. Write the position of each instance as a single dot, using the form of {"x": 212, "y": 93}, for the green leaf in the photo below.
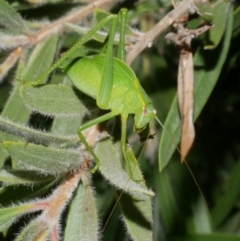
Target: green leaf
{"x": 137, "y": 212}
{"x": 64, "y": 125}
{"x": 36, "y": 230}
{"x": 82, "y": 220}
{"x": 200, "y": 219}
{"x": 10, "y": 18}
{"x": 208, "y": 237}
{"x": 225, "y": 203}
{"x": 205, "y": 80}
{"x": 137, "y": 216}
{"x": 67, "y": 126}
{"x": 45, "y": 159}
{"x": 52, "y": 100}
{"x": 13, "y": 194}
{"x": 15, "y": 110}
{"x": 220, "y": 15}
{"x": 10, "y": 214}
{"x": 32, "y": 135}
{"x": 112, "y": 170}
{"x": 205, "y": 11}
{"x": 165, "y": 196}
{"x": 234, "y": 48}
{"x": 22, "y": 177}
{"x": 236, "y": 22}
{"x": 40, "y": 60}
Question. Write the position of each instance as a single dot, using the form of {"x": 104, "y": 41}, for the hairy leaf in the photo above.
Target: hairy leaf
{"x": 137, "y": 212}
{"x": 36, "y": 230}
{"x": 32, "y": 135}
{"x": 82, "y": 221}
{"x": 10, "y": 214}
{"x": 45, "y": 159}
{"x": 15, "y": 109}
{"x": 111, "y": 169}
{"x": 10, "y": 18}
{"x": 22, "y": 177}
{"x": 52, "y": 100}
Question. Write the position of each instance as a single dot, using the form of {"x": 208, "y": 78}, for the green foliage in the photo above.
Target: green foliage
{"x": 9, "y": 215}
{"x": 45, "y": 169}
{"x": 39, "y": 99}
{"x": 82, "y": 219}
{"x": 10, "y": 19}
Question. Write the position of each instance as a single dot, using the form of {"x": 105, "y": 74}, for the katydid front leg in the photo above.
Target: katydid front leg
{"x": 123, "y": 139}
{"x": 90, "y": 124}
{"x": 123, "y": 144}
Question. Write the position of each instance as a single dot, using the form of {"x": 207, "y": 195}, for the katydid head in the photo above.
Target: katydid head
{"x": 143, "y": 118}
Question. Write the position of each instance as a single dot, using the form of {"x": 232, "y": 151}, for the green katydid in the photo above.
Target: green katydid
{"x": 110, "y": 81}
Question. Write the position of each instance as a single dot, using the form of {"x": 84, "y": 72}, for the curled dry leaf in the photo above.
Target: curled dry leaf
{"x": 185, "y": 100}
{"x": 182, "y": 37}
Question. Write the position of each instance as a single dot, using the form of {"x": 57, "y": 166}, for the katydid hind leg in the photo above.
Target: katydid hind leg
{"x": 122, "y": 16}
{"x": 104, "y": 93}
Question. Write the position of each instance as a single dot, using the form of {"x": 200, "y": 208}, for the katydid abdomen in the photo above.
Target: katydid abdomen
{"x": 126, "y": 97}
